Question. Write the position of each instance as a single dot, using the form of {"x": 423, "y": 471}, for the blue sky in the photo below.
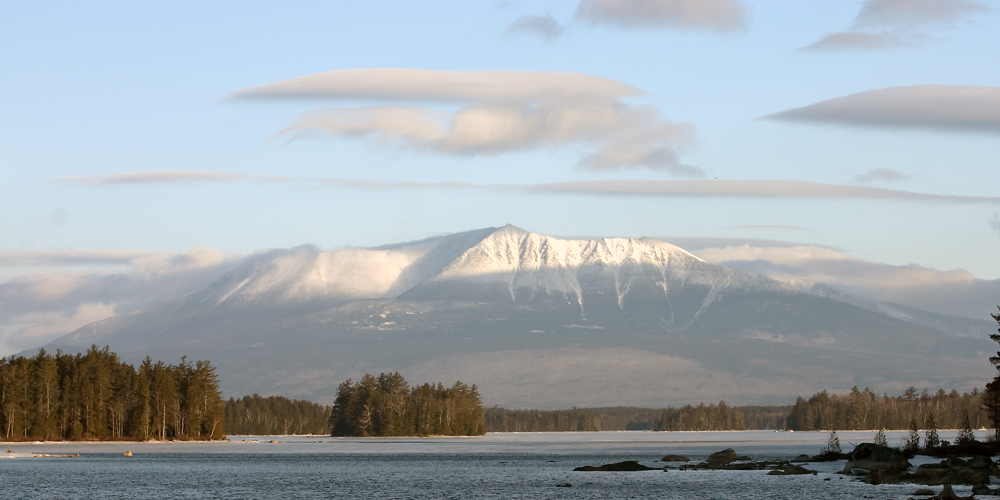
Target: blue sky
{"x": 122, "y": 131}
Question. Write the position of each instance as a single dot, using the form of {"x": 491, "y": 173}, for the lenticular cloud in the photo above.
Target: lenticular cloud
{"x": 471, "y": 113}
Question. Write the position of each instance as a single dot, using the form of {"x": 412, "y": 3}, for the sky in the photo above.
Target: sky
{"x": 147, "y": 146}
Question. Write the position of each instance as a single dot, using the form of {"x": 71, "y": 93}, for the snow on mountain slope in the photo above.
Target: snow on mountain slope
{"x": 583, "y": 271}
{"x": 304, "y": 274}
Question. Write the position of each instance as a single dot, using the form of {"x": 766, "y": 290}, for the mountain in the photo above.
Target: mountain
{"x": 538, "y": 321}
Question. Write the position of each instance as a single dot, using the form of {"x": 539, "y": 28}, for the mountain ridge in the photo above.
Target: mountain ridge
{"x": 501, "y": 304}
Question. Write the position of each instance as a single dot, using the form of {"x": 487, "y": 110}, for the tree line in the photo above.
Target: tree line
{"x": 94, "y": 395}
{"x": 387, "y": 406}
{"x": 864, "y": 410}
{"x": 275, "y": 415}
{"x": 573, "y": 420}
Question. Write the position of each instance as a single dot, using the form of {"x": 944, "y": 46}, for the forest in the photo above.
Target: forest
{"x": 863, "y": 410}
{"x": 687, "y": 418}
{"x": 275, "y": 415}
{"x": 387, "y": 406}
{"x": 96, "y": 396}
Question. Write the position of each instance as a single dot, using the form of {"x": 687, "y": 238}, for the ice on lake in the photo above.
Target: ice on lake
{"x": 500, "y": 465}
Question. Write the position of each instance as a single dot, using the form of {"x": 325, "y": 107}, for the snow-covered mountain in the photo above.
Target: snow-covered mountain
{"x": 537, "y": 321}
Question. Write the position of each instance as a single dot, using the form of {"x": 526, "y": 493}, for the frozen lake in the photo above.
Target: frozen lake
{"x": 502, "y": 465}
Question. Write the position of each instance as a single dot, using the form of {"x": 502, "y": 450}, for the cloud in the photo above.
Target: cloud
{"x": 64, "y": 258}
{"x": 163, "y": 177}
{"x": 767, "y": 227}
{"x": 717, "y": 188}
{"x": 685, "y": 188}
{"x": 443, "y": 86}
{"x": 897, "y": 23}
{"x": 995, "y": 222}
{"x": 933, "y": 107}
{"x": 497, "y": 112}
{"x": 955, "y": 292}
{"x": 541, "y": 26}
{"x": 717, "y": 15}
{"x": 858, "y": 40}
{"x": 879, "y": 174}
{"x": 37, "y": 306}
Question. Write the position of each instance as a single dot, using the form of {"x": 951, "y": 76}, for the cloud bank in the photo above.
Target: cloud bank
{"x": 497, "y": 112}
{"x": 955, "y": 292}
{"x": 42, "y": 304}
{"x": 933, "y": 107}
{"x": 898, "y": 23}
{"x": 716, "y": 15}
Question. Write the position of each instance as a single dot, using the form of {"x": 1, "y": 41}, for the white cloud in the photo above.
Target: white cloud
{"x": 61, "y": 258}
{"x": 497, "y": 112}
{"x": 444, "y": 86}
{"x": 720, "y": 188}
{"x": 39, "y": 305}
{"x": 955, "y": 292}
{"x": 879, "y": 174}
{"x": 936, "y": 107}
{"x": 896, "y": 23}
{"x": 163, "y": 177}
{"x": 541, "y": 26}
{"x": 718, "y": 15}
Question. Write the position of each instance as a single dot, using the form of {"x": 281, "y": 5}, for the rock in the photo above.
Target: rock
{"x": 272, "y": 441}
{"x": 802, "y": 458}
{"x": 564, "y": 485}
{"x": 722, "y": 458}
{"x": 829, "y": 456}
{"x": 626, "y": 466}
{"x": 951, "y": 471}
{"x": 675, "y": 458}
{"x": 872, "y": 457}
{"x": 791, "y": 470}
{"x": 128, "y": 453}
{"x": 923, "y": 492}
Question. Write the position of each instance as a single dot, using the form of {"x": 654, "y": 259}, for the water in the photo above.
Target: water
{"x": 498, "y": 466}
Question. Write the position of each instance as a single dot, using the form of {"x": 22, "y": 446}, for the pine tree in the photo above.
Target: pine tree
{"x": 913, "y": 442}
{"x": 931, "y": 435}
{"x": 833, "y": 444}
{"x": 991, "y": 397}
{"x": 965, "y": 434}
{"x": 880, "y": 438}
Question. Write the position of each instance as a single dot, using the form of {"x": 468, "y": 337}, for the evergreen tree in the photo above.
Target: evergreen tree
{"x": 833, "y": 443}
{"x": 965, "y": 434}
{"x": 991, "y": 397}
{"x": 913, "y": 442}
{"x": 880, "y": 438}
{"x": 931, "y": 435}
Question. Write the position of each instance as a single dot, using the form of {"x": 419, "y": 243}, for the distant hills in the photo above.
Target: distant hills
{"x": 543, "y": 322}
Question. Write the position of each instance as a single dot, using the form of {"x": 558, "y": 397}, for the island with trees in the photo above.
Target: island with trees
{"x": 96, "y": 396}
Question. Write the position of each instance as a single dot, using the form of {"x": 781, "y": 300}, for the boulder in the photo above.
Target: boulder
{"x": 675, "y": 458}
{"x": 128, "y": 453}
{"x": 722, "y": 458}
{"x": 626, "y": 466}
{"x": 951, "y": 471}
{"x": 802, "y": 458}
{"x": 872, "y": 457}
{"x": 790, "y": 470}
